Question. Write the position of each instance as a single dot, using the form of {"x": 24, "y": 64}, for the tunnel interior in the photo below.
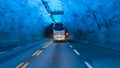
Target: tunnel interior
{"x": 28, "y": 20}
{"x": 88, "y": 34}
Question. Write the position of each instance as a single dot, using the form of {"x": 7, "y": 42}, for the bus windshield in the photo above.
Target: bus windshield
{"x": 59, "y": 27}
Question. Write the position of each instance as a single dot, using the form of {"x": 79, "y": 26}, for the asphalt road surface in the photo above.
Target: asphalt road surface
{"x": 49, "y": 54}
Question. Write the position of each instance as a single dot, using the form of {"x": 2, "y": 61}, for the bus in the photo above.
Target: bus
{"x": 59, "y": 32}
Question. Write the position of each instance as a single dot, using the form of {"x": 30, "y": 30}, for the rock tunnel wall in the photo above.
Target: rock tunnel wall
{"x": 95, "y": 20}
{"x": 22, "y": 20}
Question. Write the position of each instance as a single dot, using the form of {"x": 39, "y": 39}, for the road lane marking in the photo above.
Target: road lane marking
{"x": 39, "y": 52}
{"x": 71, "y": 46}
{"x": 2, "y": 52}
{"x": 19, "y": 65}
{"x": 35, "y": 53}
{"x": 76, "y": 52}
{"x": 88, "y": 65}
{"x": 48, "y": 44}
{"x": 25, "y": 65}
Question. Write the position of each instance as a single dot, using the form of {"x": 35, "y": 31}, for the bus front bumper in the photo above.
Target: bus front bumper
{"x": 59, "y": 39}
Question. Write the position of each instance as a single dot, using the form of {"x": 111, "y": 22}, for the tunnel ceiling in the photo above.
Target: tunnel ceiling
{"x": 93, "y": 19}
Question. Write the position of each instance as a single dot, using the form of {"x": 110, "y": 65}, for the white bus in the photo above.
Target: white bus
{"x": 59, "y": 32}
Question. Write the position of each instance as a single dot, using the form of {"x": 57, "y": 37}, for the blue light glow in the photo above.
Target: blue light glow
{"x": 57, "y": 18}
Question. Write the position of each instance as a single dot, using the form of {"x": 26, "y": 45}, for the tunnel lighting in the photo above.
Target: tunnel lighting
{"x": 49, "y": 14}
{"x": 66, "y": 33}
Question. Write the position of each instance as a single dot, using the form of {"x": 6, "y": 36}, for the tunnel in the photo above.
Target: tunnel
{"x": 91, "y": 38}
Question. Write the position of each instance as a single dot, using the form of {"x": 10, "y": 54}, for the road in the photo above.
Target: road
{"x": 49, "y": 54}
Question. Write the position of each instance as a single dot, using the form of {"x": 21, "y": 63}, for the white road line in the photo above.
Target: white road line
{"x": 35, "y": 53}
{"x": 45, "y": 46}
{"x": 76, "y": 52}
{"x": 39, "y": 52}
{"x": 88, "y": 65}
{"x": 19, "y": 65}
{"x": 2, "y": 52}
{"x": 25, "y": 65}
{"x": 71, "y": 46}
